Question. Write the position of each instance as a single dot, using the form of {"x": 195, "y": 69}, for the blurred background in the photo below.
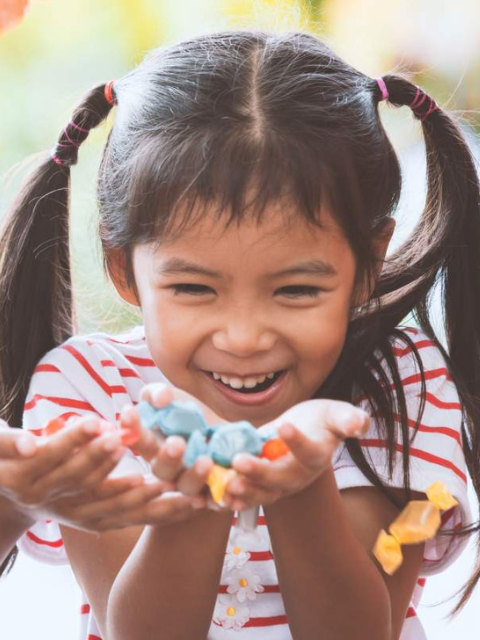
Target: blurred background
{"x": 52, "y": 56}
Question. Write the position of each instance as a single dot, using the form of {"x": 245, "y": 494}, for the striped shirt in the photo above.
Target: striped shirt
{"x": 99, "y": 374}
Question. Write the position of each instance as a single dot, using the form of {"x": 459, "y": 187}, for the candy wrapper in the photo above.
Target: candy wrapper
{"x": 221, "y": 442}
{"x": 419, "y": 521}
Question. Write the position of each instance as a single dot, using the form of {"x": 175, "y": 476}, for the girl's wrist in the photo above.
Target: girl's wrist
{"x": 13, "y": 516}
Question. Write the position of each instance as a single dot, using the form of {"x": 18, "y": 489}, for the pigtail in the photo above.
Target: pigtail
{"x": 444, "y": 246}
{"x": 36, "y": 307}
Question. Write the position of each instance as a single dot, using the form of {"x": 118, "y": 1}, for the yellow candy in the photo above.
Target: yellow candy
{"x": 217, "y": 480}
{"x": 419, "y": 521}
{"x": 441, "y": 496}
{"x": 388, "y": 552}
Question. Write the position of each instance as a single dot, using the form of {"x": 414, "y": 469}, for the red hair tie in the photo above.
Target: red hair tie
{"x": 109, "y": 95}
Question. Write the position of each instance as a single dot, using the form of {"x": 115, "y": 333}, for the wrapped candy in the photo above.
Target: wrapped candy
{"x": 419, "y": 521}
{"x": 221, "y": 442}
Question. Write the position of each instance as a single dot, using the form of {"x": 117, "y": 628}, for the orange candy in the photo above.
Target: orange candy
{"x": 53, "y": 426}
{"x": 274, "y": 449}
{"x": 11, "y": 11}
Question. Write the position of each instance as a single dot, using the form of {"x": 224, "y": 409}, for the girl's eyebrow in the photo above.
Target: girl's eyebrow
{"x": 179, "y": 266}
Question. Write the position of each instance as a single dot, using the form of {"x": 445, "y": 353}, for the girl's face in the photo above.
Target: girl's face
{"x": 250, "y": 320}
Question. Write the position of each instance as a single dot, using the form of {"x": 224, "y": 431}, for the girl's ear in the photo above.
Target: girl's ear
{"x": 116, "y": 266}
{"x": 380, "y": 247}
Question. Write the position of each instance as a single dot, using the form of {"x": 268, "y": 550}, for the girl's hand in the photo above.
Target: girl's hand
{"x": 166, "y": 455}
{"x": 64, "y": 476}
{"x": 312, "y": 431}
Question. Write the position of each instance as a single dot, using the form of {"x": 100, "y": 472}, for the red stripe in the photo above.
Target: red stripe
{"x": 441, "y": 404}
{"x": 109, "y": 390}
{"x": 63, "y": 402}
{"x": 429, "y": 375}
{"x": 411, "y": 613}
{"x": 63, "y": 416}
{"x": 446, "y": 431}
{"x": 91, "y": 636}
{"x": 267, "y": 588}
{"x": 260, "y": 556}
{"x": 421, "y": 344}
{"x": 46, "y": 368}
{"x": 85, "y": 608}
{"x": 421, "y": 582}
{"x": 128, "y": 373}
{"x": 261, "y": 520}
{"x": 417, "y": 453}
{"x": 125, "y": 373}
{"x": 142, "y": 362}
{"x": 266, "y": 622}
{"x": 55, "y": 544}
{"x": 410, "y": 330}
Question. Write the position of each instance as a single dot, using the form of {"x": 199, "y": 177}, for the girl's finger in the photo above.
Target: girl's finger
{"x": 16, "y": 443}
{"x": 117, "y": 505}
{"x": 192, "y": 481}
{"x": 157, "y": 394}
{"x": 168, "y": 463}
{"x": 344, "y": 420}
{"x": 99, "y": 455}
{"x": 281, "y": 474}
{"x": 144, "y": 441}
{"x": 163, "y": 510}
{"x": 59, "y": 447}
{"x": 313, "y": 455}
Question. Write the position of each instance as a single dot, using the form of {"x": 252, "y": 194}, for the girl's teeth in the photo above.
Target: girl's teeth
{"x": 239, "y": 383}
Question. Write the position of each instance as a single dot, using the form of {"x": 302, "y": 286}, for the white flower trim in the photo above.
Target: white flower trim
{"x": 230, "y": 614}
{"x": 244, "y": 584}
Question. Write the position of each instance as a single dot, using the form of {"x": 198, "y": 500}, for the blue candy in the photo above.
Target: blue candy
{"x": 221, "y": 442}
{"x": 177, "y": 418}
{"x": 230, "y": 439}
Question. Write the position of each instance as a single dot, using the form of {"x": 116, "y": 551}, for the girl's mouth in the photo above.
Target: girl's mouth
{"x": 253, "y": 394}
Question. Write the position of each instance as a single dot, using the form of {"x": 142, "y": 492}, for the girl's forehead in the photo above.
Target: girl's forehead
{"x": 279, "y": 229}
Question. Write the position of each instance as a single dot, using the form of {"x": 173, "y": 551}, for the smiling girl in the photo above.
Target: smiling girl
{"x": 246, "y": 195}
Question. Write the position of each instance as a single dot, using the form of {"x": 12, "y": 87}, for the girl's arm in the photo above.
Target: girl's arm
{"x": 336, "y": 586}
{"x": 160, "y": 581}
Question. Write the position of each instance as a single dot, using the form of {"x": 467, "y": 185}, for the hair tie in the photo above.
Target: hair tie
{"x": 383, "y": 88}
{"x": 109, "y": 95}
{"x": 422, "y": 105}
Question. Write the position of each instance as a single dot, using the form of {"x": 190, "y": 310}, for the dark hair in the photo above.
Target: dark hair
{"x": 219, "y": 117}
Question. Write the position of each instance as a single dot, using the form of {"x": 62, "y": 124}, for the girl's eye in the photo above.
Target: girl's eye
{"x": 300, "y": 291}
{"x": 192, "y": 289}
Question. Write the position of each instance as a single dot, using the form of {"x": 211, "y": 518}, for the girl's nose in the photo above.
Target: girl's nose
{"x": 243, "y": 338}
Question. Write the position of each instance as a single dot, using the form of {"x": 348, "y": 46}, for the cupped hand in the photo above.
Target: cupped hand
{"x": 65, "y": 477}
{"x": 312, "y": 430}
{"x": 165, "y": 455}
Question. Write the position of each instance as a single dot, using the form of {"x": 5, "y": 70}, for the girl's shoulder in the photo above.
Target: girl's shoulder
{"x": 98, "y": 346}
{"x": 412, "y": 348}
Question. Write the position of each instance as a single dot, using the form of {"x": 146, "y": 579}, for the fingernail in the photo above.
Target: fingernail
{"x": 157, "y": 396}
{"x": 354, "y": 421}
{"x": 26, "y": 445}
{"x": 129, "y": 436}
{"x": 110, "y": 442}
{"x": 92, "y": 427}
{"x": 172, "y": 449}
{"x": 286, "y": 431}
{"x": 243, "y": 464}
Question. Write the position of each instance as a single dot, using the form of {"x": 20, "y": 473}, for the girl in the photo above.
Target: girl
{"x": 246, "y": 195}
